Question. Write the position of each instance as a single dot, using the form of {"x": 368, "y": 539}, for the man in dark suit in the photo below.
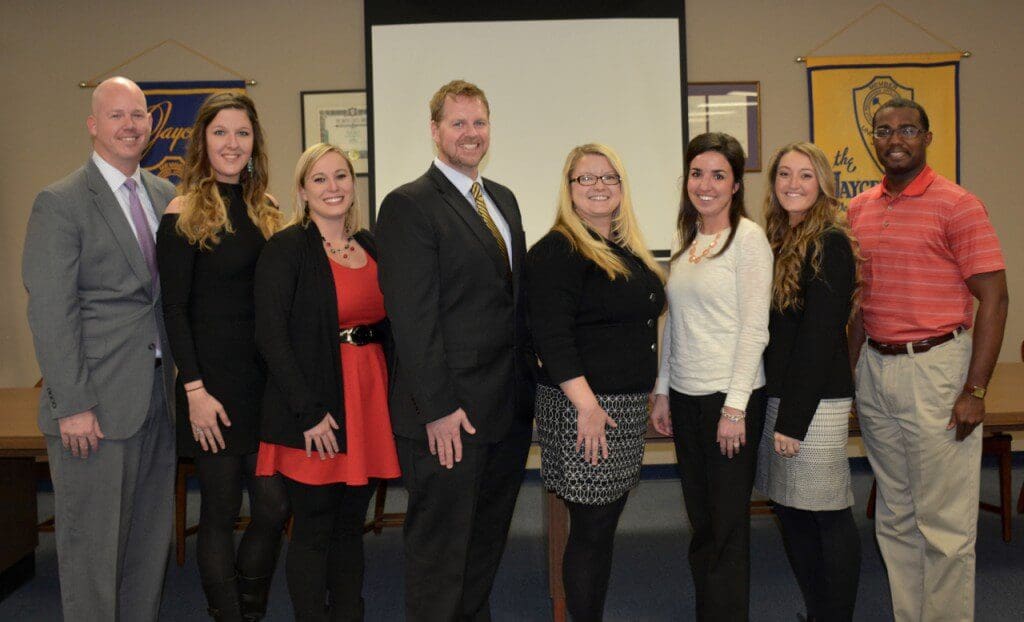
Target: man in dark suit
{"x": 94, "y": 310}
{"x": 451, "y": 248}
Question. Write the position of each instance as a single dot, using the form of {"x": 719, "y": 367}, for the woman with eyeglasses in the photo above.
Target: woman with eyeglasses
{"x": 594, "y": 295}
{"x": 321, "y": 327}
{"x": 207, "y": 246}
{"x": 710, "y": 394}
{"x": 803, "y": 466}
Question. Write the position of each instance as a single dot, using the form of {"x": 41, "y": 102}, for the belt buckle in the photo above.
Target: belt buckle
{"x": 357, "y": 335}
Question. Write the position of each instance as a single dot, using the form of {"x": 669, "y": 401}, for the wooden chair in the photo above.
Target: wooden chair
{"x": 382, "y": 519}
{"x": 182, "y": 530}
{"x": 1020, "y": 499}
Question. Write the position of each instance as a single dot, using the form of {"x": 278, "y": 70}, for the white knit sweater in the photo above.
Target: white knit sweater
{"x": 717, "y": 324}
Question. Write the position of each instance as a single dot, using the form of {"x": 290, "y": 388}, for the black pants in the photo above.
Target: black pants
{"x": 824, "y": 551}
{"x": 457, "y": 523}
{"x": 587, "y": 563}
{"x": 325, "y": 555}
{"x": 716, "y": 490}
{"x": 220, "y": 484}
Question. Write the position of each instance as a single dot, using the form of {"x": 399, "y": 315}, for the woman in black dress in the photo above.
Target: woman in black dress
{"x": 207, "y": 246}
{"x": 594, "y": 295}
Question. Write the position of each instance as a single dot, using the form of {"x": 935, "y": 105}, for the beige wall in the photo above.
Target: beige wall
{"x": 48, "y": 47}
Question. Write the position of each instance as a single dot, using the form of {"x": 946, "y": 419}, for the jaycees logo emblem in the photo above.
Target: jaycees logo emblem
{"x": 867, "y": 99}
{"x": 167, "y": 160}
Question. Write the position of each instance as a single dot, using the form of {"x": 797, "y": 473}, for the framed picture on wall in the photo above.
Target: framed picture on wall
{"x": 730, "y": 107}
{"x": 339, "y": 118}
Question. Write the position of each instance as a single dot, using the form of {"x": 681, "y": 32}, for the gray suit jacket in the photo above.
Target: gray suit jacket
{"x": 95, "y": 320}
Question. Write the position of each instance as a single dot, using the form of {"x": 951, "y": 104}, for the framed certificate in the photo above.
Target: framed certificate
{"x": 730, "y": 107}
{"x": 339, "y": 118}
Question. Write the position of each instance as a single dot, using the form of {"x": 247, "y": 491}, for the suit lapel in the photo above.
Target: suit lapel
{"x": 467, "y": 213}
{"x": 515, "y": 228}
{"x": 157, "y": 200}
{"x": 106, "y": 203}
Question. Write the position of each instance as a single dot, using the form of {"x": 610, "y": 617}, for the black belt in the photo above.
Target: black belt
{"x": 914, "y": 347}
{"x": 157, "y": 362}
{"x": 361, "y": 335}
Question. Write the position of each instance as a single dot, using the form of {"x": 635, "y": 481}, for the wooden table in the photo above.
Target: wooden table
{"x": 20, "y": 444}
{"x": 1004, "y": 407}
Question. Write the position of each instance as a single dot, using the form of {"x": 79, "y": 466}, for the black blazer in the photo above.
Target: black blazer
{"x": 457, "y": 312}
{"x": 585, "y": 324}
{"x": 297, "y": 335}
{"x": 807, "y": 358}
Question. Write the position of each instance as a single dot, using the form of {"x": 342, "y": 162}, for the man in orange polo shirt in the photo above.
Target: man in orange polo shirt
{"x": 929, "y": 251}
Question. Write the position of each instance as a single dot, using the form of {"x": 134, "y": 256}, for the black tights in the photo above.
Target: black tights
{"x": 587, "y": 563}
{"x": 824, "y": 551}
{"x": 325, "y": 554}
{"x": 220, "y": 484}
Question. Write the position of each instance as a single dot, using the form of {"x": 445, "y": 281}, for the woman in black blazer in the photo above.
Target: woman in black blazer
{"x": 802, "y": 465}
{"x": 320, "y": 326}
{"x": 594, "y": 294}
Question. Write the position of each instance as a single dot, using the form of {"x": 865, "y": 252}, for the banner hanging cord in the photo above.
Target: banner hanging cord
{"x": 882, "y": 5}
{"x": 93, "y": 81}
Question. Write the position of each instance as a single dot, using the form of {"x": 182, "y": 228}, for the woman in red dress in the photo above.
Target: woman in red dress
{"x": 321, "y": 327}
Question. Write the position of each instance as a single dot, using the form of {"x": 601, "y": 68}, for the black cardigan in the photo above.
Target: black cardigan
{"x": 585, "y": 324}
{"x": 297, "y": 335}
{"x": 807, "y": 356}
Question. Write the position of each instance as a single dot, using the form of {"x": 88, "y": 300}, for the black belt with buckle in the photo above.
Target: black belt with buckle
{"x": 914, "y": 347}
{"x": 361, "y": 335}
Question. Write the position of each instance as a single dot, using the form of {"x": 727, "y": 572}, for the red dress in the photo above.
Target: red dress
{"x": 370, "y": 444}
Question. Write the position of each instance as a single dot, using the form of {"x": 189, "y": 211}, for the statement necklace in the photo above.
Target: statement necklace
{"x": 344, "y": 251}
{"x": 694, "y": 257}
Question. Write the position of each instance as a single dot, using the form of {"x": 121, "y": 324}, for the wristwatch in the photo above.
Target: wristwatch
{"x": 975, "y": 391}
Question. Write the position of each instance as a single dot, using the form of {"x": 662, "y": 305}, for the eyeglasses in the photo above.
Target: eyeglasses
{"x": 906, "y": 131}
{"x": 590, "y": 180}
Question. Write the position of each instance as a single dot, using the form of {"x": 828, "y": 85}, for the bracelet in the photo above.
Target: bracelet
{"x": 194, "y": 389}
{"x": 732, "y": 417}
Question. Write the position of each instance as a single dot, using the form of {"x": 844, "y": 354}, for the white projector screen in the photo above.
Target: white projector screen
{"x": 552, "y": 85}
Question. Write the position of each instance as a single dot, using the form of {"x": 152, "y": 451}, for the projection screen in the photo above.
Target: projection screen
{"x": 552, "y": 84}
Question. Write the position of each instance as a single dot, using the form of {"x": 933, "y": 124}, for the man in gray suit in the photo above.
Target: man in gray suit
{"x": 94, "y": 309}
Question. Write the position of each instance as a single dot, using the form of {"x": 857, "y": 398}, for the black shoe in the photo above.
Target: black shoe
{"x": 253, "y": 594}
{"x": 223, "y": 603}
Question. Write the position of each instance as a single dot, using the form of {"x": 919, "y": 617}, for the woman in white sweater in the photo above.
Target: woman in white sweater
{"x": 710, "y": 392}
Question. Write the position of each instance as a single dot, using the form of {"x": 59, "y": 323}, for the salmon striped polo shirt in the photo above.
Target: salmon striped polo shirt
{"x": 919, "y": 247}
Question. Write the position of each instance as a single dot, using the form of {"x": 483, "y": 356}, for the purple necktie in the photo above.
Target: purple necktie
{"x": 144, "y": 233}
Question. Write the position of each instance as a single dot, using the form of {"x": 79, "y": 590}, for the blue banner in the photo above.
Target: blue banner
{"x": 174, "y": 106}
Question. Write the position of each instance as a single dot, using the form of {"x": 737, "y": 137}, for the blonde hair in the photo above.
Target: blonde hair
{"x": 203, "y": 213}
{"x": 308, "y": 159}
{"x": 790, "y": 244}
{"x": 625, "y": 229}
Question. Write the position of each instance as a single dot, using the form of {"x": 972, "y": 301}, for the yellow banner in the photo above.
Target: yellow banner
{"x": 845, "y": 92}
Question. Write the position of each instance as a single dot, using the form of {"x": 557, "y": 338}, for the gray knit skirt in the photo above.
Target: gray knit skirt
{"x": 563, "y": 468}
{"x": 818, "y": 477}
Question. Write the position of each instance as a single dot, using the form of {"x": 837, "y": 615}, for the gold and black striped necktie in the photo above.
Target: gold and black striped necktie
{"x": 481, "y": 208}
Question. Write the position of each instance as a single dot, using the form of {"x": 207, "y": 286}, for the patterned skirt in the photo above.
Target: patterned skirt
{"x": 818, "y": 477}
{"x": 563, "y": 468}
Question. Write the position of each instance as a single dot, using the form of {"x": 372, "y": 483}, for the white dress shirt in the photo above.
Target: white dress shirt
{"x": 463, "y": 184}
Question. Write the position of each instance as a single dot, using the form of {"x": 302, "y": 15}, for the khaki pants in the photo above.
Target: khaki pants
{"x": 927, "y": 512}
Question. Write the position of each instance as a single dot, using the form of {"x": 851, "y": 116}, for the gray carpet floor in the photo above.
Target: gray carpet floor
{"x": 650, "y": 578}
